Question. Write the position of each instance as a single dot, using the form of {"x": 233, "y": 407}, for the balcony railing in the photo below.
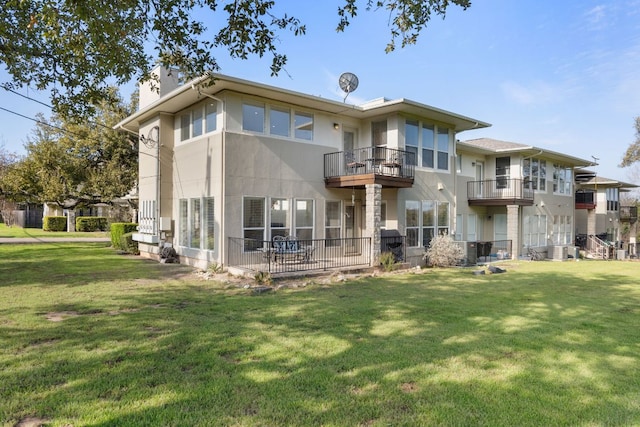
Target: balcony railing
{"x": 628, "y": 213}
{"x": 499, "y": 192}
{"x": 585, "y": 200}
{"x": 369, "y": 165}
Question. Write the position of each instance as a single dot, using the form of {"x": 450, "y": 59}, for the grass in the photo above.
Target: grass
{"x": 19, "y": 232}
{"x": 92, "y": 338}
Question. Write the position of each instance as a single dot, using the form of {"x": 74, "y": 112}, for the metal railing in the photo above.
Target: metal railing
{"x": 484, "y": 251}
{"x": 376, "y": 160}
{"x": 307, "y": 255}
{"x": 500, "y": 189}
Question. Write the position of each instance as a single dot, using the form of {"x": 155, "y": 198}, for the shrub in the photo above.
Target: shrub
{"x": 118, "y": 229}
{"x": 128, "y": 245}
{"x": 387, "y": 261}
{"x": 263, "y": 278}
{"x": 443, "y": 251}
{"x": 54, "y": 223}
{"x": 91, "y": 223}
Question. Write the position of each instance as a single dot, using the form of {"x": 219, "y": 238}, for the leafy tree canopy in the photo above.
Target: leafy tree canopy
{"x": 74, "y": 163}
{"x": 77, "y": 48}
{"x": 632, "y": 155}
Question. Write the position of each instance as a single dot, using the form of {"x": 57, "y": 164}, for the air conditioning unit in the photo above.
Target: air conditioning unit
{"x": 558, "y": 253}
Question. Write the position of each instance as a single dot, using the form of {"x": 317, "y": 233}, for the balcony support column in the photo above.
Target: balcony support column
{"x": 513, "y": 229}
{"x": 373, "y": 213}
{"x": 591, "y": 222}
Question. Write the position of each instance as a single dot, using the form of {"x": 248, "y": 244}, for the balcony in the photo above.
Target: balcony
{"x": 388, "y": 167}
{"x": 585, "y": 199}
{"x": 499, "y": 192}
{"x": 628, "y": 213}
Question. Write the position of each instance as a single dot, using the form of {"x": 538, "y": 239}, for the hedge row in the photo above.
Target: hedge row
{"x": 91, "y": 223}
{"x": 118, "y": 230}
{"x": 54, "y": 223}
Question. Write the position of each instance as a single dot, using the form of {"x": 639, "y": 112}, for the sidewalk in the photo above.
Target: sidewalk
{"x": 22, "y": 240}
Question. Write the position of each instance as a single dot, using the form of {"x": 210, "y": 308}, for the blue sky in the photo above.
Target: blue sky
{"x": 561, "y": 75}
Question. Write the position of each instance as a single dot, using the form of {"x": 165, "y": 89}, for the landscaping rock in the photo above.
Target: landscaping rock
{"x": 496, "y": 270}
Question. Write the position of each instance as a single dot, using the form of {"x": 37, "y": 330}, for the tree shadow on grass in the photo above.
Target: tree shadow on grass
{"x": 442, "y": 348}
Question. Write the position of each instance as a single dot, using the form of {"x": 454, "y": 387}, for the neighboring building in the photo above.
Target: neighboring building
{"x": 600, "y": 214}
{"x": 516, "y": 193}
{"x": 239, "y": 159}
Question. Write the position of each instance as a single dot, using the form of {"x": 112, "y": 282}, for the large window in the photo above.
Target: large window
{"x": 535, "y": 174}
{"x": 411, "y": 138}
{"x": 279, "y": 119}
{"x": 253, "y": 117}
{"x": 535, "y": 230}
{"x": 503, "y": 172}
{"x": 304, "y": 219}
{"x": 425, "y": 219}
{"x": 303, "y": 124}
{"x": 432, "y": 145}
{"x": 253, "y": 221}
{"x": 562, "y": 179}
{"x": 198, "y": 120}
{"x": 279, "y": 215}
{"x": 561, "y": 229}
{"x": 196, "y": 228}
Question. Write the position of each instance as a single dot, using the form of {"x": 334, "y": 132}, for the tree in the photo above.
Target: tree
{"x": 71, "y": 163}
{"x": 78, "y": 48}
{"x": 632, "y": 155}
{"x": 7, "y": 207}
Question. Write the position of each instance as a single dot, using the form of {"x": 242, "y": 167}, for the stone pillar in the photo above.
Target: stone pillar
{"x": 591, "y": 222}
{"x": 374, "y": 207}
{"x": 513, "y": 229}
{"x": 71, "y": 220}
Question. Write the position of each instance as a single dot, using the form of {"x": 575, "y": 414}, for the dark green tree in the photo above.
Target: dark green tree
{"x": 77, "y": 49}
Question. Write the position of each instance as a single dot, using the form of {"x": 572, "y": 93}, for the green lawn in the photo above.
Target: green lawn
{"x": 92, "y": 338}
{"x": 38, "y": 232}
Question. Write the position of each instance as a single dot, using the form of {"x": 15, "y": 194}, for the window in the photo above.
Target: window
{"x": 253, "y": 221}
{"x": 535, "y": 174}
{"x": 459, "y": 163}
{"x": 411, "y": 138}
{"x": 428, "y": 145}
{"x": 303, "y": 124}
{"x": 503, "y": 172}
{"x": 185, "y": 127}
{"x": 304, "y": 219}
{"x": 184, "y": 222}
{"x": 613, "y": 197}
{"x": 253, "y": 117}
{"x": 279, "y": 215}
{"x": 562, "y": 179}
{"x": 332, "y": 221}
{"x": 535, "y": 230}
{"x": 379, "y": 133}
{"x": 443, "y": 149}
{"x": 195, "y": 224}
{"x": 428, "y": 222}
{"x": 209, "y": 223}
{"x": 425, "y": 219}
{"x": 211, "y": 116}
{"x": 197, "y": 122}
{"x": 383, "y": 215}
{"x": 412, "y": 213}
{"x": 279, "y": 122}
{"x": 443, "y": 218}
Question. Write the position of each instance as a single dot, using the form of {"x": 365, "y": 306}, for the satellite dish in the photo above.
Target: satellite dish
{"x": 348, "y": 83}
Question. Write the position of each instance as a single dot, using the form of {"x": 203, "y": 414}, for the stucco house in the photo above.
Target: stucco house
{"x": 517, "y": 193}
{"x": 243, "y": 160}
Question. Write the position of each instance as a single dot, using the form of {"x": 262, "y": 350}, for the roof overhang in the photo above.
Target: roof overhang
{"x": 194, "y": 91}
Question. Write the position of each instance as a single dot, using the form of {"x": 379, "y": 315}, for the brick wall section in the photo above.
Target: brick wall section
{"x": 374, "y": 207}
{"x": 513, "y": 222}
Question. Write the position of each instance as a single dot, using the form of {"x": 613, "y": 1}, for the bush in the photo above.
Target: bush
{"x": 387, "y": 261}
{"x": 128, "y": 245}
{"x": 91, "y": 223}
{"x": 443, "y": 251}
{"x": 118, "y": 229}
{"x": 54, "y": 223}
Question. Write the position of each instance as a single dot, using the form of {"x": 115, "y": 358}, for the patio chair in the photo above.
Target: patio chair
{"x": 352, "y": 163}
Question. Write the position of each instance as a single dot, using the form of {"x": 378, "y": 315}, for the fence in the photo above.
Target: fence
{"x": 297, "y": 256}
